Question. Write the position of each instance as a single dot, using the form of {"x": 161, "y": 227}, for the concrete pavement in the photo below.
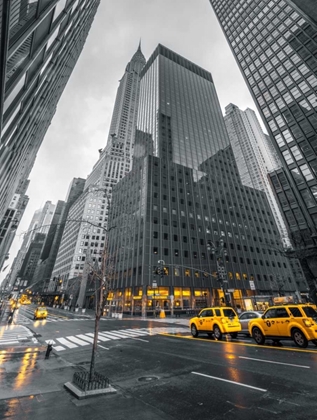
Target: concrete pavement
{"x": 33, "y": 387}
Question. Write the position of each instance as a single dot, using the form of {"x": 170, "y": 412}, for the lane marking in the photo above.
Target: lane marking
{"x": 272, "y": 361}
{"x": 130, "y": 333}
{"x": 59, "y": 348}
{"x": 85, "y": 338}
{"x": 77, "y": 340}
{"x": 111, "y": 336}
{"x": 106, "y": 348}
{"x": 118, "y": 335}
{"x": 121, "y": 334}
{"x": 140, "y": 332}
{"x": 140, "y": 339}
{"x": 231, "y": 382}
{"x": 67, "y": 343}
{"x": 100, "y": 337}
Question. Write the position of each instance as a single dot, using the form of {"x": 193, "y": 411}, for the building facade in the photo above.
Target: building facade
{"x": 40, "y": 43}
{"x": 245, "y": 138}
{"x": 115, "y": 160}
{"x": 43, "y": 273}
{"x": 275, "y": 44}
{"x": 39, "y": 224}
{"x": 31, "y": 259}
{"x": 11, "y": 220}
{"x": 83, "y": 243}
{"x": 183, "y": 199}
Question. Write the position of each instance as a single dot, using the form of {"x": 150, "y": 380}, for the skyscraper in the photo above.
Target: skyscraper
{"x": 115, "y": 159}
{"x": 86, "y": 240}
{"x": 275, "y": 43}
{"x": 50, "y": 248}
{"x": 11, "y": 220}
{"x": 183, "y": 198}
{"x": 40, "y": 42}
{"x": 246, "y": 137}
{"x": 39, "y": 224}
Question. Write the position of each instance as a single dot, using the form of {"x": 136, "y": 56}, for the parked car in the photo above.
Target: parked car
{"x": 40, "y": 312}
{"x": 215, "y": 321}
{"x": 245, "y": 318}
{"x": 287, "y": 322}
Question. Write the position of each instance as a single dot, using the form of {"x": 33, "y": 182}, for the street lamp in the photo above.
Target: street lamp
{"x": 220, "y": 253}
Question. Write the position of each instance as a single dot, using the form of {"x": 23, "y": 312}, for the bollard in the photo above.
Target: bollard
{"x": 48, "y": 350}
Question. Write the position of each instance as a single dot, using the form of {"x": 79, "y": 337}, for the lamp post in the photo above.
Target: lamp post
{"x": 220, "y": 252}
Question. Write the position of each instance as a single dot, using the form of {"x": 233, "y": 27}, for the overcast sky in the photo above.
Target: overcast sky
{"x": 81, "y": 123}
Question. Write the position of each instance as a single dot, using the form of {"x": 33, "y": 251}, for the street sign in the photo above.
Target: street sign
{"x": 252, "y": 285}
{"x": 230, "y": 290}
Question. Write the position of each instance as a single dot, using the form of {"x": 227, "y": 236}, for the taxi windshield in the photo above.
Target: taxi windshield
{"x": 42, "y": 308}
{"x": 310, "y": 312}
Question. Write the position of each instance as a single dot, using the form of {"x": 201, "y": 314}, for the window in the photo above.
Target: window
{"x": 306, "y": 172}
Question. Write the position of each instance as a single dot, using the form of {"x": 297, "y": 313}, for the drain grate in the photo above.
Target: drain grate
{"x": 148, "y": 378}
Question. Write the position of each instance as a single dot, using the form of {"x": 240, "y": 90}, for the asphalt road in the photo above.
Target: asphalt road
{"x": 160, "y": 366}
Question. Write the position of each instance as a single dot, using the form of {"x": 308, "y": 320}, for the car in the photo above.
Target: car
{"x": 245, "y": 318}
{"x": 215, "y": 321}
{"x": 297, "y": 322}
{"x": 40, "y": 312}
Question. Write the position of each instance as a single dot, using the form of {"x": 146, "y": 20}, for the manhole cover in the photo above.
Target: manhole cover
{"x": 148, "y": 378}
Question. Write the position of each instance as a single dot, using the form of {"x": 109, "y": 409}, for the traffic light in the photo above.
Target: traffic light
{"x": 221, "y": 271}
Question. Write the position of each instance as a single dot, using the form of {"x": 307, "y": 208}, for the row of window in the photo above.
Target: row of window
{"x": 204, "y": 256}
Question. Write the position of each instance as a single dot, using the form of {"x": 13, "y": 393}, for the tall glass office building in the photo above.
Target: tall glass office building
{"x": 182, "y": 197}
{"x": 40, "y": 42}
{"x": 275, "y": 45}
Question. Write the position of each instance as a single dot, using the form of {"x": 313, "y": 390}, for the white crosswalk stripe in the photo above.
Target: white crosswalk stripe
{"x": 15, "y": 334}
{"x": 77, "y": 340}
{"x": 66, "y": 343}
{"x": 86, "y": 339}
{"x": 100, "y": 337}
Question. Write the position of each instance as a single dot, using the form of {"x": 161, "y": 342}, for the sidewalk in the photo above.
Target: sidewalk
{"x": 32, "y": 388}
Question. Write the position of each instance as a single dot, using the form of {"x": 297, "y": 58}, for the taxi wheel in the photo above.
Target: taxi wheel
{"x": 299, "y": 338}
{"x": 314, "y": 342}
{"x": 258, "y": 336}
{"x": 193, "y": 330}
{"x": 217, "y": 333}
{"x": 34, "y": 318}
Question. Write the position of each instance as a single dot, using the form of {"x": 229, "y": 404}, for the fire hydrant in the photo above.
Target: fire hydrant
{"x": 48, "y": 350}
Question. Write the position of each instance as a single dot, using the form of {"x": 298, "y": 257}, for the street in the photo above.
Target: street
{"x": 160, "y": 372}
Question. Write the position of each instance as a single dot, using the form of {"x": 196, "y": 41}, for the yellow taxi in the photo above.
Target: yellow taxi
{"x": 287, "y": 322}
{"x": 40, "y": 312}
{"x": 215, "y": 321}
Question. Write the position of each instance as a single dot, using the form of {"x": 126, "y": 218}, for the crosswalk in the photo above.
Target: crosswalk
{"x": 15, "y": 334}
{"x": 80, "y": 340}
{"x": 21, "y": 319}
